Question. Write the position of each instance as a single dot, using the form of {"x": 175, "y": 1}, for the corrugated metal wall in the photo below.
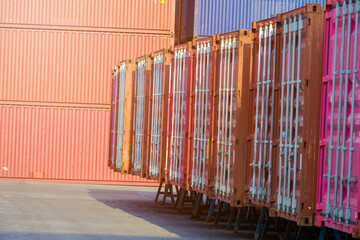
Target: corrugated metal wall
{"x": 65, "y": 67}
{"x": 217, "y": 16}
{"x": 143, "y": 15}
{"x": 55, "y": 80}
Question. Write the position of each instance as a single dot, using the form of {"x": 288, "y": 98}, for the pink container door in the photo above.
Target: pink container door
{"x": 338, "y": 184}
{"x": 177, "y": 165}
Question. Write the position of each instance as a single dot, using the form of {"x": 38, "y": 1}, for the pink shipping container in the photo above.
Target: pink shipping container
{"x": 179, "y": 120}
{"x": 338, "y": 193}
{"x": 56, "y": 143}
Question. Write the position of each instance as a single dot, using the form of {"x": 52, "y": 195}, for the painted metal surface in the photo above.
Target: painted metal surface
{"x": 142, "y": 83}
{"x": 180, "y": 115}
{"x": 56, "y": 143}
{"x": 212, "y": 17}
{"x": 338, "y": 188}
{"x": 121, "y": 121}
{"x": 285, "y": 113}
{"x": 159, "y": 92}
{"x": 141, "y": 14}
{"x": 65, "y": 68}
{"x": 202, "y": 114}
{"x": 231, "y": 116}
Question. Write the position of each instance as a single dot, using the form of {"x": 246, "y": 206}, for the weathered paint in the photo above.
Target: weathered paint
{"x": 285, "y": 113}
{"x": 204, "y": 18}
{"x": 338, "y": 187}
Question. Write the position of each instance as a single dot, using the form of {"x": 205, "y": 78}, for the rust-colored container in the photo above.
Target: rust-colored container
{"x": 120, "y": 157}
{"x": 231, "y": 116}
{"x": 158, "y": 107}
{"x": 141, "y": 114}
{"x": 114, "y": 15}
{"x": 202, "y": 94}
{"x": 67, "y": 144}
{"x": 65, "y": 68}
{"x": 285, "y": 97}
{"x": 179, "y": 116}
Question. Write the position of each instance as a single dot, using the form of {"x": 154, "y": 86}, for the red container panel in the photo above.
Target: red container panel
{"x": 285, "y": 113}
{"x": 338, "y": 188}
{"x": 180, "y": 116}
{"x": 56, "y": 143}
{"x": 202, "y": 114}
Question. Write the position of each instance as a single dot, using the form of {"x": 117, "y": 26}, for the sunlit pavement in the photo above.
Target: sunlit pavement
{"x": 31, "y": 210}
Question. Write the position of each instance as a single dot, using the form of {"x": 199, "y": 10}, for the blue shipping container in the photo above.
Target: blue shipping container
{"x": 204, "y": 18}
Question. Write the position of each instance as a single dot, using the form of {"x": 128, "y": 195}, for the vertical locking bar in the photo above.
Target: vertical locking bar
{"x": 351, "y": 147}
{"x": 176, "y": 124}
{"x": 134, "y": 121}
{"x": 173, "y": 142}
{"x": 226, "y": 113}
{"x": 160, "y": 97}
{"x": 261, "y": 135}
{"x": 217, "y": 183}
{"x": 201, "y": 113}
{"x": 153, "y": 118}
{"x": 198, "y": 157}
{"x": 193, "y": 172}
{"x": 298, "y": 81}
{"x": 343, "y": 147}
{"x": 288, "y": 82}
{"x": 266, "y": 141}
{"x": 272, "y": 120}
{"x": 291, "y": 146}
{"x": 223, "y": 91}
{"x": 120, "y": 129}
{"x": 182, "y": 106}
{"x": 233, "y": 46}
{"x": 331, "y": 146}
{"x": 338, "y": 147}
{"x": 206, "y": 111}
{"x": 178, "y": 116}
{"x": 254, "y": 164}
{"x": 115, "y": 79}
{"x": 281, "y": 145}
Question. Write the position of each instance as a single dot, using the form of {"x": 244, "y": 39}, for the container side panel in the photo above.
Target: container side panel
{"x": 56, "y": 143}
{"x": 143, "y": 14}
{"x": 63, "y": 68}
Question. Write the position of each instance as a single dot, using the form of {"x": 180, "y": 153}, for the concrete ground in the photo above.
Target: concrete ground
{"x": 31, "y": 210}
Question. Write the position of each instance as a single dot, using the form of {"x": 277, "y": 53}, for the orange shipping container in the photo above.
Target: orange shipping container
{"x": 141, "y": 15}
{"x": 65, "y": 68}
{"x": 56, "y": 143}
